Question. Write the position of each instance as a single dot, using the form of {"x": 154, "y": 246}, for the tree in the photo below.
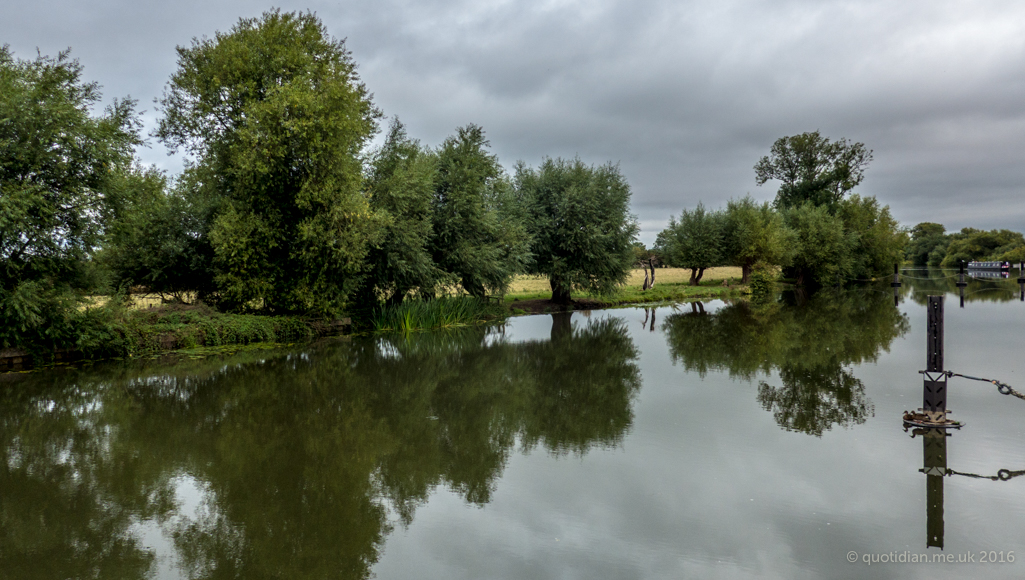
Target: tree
{"x": 57, "y": 166}
{"x": 156, "y": 240}
{"x": 970, "y": 244}
{"x": 580, "y": 225}
{"x": 756, "y": 234}
{"x": 822, "y": 252}
{"x": 926, "y": 238}
{"x": 401, "y": 188}
{"x": 877, "y": 240}
{"x": 695, "y": 241}
{"x": 277, "y": 117}
{"x": 477, "y": 236}
{"x": 813, "y": 169}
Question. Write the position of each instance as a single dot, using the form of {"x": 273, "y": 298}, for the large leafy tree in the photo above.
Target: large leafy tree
{"x": 877, "y": 240}
{"x": 401, "y": 186}
{"x": 477, "y": 236}
{"x": 756, "y": 234}
{"x": 813, "y": 169}
{"x": 277, "y": 118}
{"x": 926, "y": 239}
{"x": 822, "y": 249}
{"x": 580, "y": 225}
{"x": 58, "y": 164}
{"x": 695, "y": 241}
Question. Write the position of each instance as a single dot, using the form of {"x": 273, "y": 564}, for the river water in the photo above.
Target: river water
{"x": 708, "y": 440}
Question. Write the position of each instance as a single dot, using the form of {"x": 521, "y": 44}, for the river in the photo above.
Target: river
{"x": 709, "y": 440}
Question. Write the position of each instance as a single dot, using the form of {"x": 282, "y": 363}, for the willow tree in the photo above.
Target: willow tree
{"x": 59, "y": 164}
{"x": 401, "y": 187}
{"x": 477, "y": 235}
{"x": 756, "y": 234}
{"x": 276, "y": 118}
{"x": 580, "y": 225}
{"x": 695, "y": 241}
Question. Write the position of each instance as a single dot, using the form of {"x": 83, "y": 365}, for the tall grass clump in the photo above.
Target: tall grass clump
{"x": 443, "y": 312}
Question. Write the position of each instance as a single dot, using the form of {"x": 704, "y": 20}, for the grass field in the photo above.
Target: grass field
{"x": 670, "y": 284}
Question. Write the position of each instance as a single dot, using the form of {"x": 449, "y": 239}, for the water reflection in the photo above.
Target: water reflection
{"x": 811, "y": 345}
{"x": 980, "y": 286}
{"x": 305, "y": 462}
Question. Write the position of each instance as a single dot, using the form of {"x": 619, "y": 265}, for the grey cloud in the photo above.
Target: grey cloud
{"x": 686, "y": 96}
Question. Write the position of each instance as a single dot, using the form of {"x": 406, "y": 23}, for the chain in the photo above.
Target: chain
{"x": 1004, "y": 388}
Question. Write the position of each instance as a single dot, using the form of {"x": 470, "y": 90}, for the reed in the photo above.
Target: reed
{"x": 443, "y": 312}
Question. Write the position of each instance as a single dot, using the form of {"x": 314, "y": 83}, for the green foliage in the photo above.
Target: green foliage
{"x": 927, "y": 239}
{"x": 813, "y": 169}
{"x": 696, "y": 241}
{"x": 756, "y": 234}
{"x": 277, "y": 117}
{"x": 401, "y": 188}
{"x": 477, "y": 233}
{"x": 580, "y": 225}
{"x": 822, "y": 250}
{"x": 443, "y": 312}
{"x": 762, "y": 284}
{"x": 970, "y": 244}
{"x": 877, "y": 240}
{"x": 156, "y": 240}
{"x": 58, "y": 170}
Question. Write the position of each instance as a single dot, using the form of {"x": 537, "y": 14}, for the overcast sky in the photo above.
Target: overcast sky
{"x": 685, "y": 96}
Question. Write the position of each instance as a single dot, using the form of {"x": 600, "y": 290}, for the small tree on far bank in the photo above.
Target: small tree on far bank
{"x": 579, "y": 220}
{"x": 695, "y": 241}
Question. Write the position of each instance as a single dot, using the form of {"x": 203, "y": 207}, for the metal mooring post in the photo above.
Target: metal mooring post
{"x": 934, "y": 387}
{"x": 1021, "y": 279}
{"x": 961, "y": 283}
{"x": 895, "y": 284}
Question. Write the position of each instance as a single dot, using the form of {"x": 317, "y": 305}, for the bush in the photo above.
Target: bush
{"x": 762, "y": 284}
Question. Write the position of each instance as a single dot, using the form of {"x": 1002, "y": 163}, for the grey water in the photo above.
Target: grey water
{"x": 709, "y": 440}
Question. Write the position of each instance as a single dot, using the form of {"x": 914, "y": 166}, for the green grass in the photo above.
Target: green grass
{"x": 444, "y": 312}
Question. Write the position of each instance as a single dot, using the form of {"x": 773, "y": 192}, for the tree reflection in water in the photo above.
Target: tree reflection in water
{"x": 301, "y": 458}
{"x": 810, "y": 345}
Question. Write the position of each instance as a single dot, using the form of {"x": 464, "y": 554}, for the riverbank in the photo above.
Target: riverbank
{"x": 172, "y": 327}
{"x": 532, "y": 295}
{"x": 162, "y": 328}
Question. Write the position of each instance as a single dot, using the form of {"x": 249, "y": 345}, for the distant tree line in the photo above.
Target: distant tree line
{"x": 932, "y": 246}
{"x": 816, "y": 230}
{"x": 283, "y": 207}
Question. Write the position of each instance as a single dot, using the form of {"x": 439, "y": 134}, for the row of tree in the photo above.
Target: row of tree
{"x": 932, "y": 246}
{"x": 282, "y": 206}
{"x": 816, "y": 230}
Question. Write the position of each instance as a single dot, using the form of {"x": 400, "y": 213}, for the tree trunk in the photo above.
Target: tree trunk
{"x": 651, "y": 264}
{"x": 701, "y": 272}
{"x": 693, "y": 276}
{"x": 560, "y": 292}
{"x": 473, "y": 288}
{"x": 745, "y": 272}
{"x": 562, "y": 325}
{"x": 645, "y": 285}
{"x": 396, "y": 298}
{"x": 652, "y": 320}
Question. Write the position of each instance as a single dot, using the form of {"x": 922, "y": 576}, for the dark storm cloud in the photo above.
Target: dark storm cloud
{"x": 685, "y": 96}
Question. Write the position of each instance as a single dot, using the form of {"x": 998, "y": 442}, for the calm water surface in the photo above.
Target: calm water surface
{"x": 709, "y": 441}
